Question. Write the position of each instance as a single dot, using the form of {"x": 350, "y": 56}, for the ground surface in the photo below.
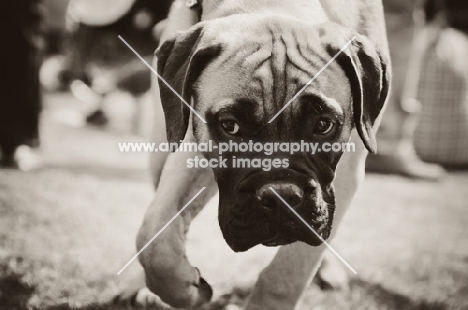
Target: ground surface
{"x": 67, "y": 229}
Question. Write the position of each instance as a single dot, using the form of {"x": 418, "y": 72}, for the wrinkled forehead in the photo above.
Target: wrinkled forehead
{"x": 270, "y": 67}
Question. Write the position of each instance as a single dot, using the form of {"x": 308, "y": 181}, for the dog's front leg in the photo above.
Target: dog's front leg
{"x": 168, "y": 272}
{"x": 282, "y": 283}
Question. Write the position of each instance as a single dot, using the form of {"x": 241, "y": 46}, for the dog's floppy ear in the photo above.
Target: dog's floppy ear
{"x": 180, "y": 62}
{"x": 368, "y": 71}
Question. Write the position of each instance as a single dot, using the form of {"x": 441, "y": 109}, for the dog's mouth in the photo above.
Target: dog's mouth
{"x": 243, "y": 241}
{"x": 249, "y": 228}
{"x": 277, "y": 241}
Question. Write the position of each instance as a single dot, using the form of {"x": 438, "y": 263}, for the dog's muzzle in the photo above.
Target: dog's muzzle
{"x": 267, "y": 209}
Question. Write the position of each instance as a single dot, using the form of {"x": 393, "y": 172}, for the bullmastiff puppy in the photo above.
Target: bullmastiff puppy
{"x": 238, "y": 63}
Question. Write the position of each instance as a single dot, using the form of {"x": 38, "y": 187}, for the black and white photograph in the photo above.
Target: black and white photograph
{"x": 234, "y": 155}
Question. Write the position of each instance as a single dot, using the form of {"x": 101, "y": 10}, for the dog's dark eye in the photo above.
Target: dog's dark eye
{"x": 230, "y": 127}
{"x": 324, "y": 126}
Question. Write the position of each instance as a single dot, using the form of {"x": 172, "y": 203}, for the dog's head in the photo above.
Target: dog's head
{"x": 238, "y": 73}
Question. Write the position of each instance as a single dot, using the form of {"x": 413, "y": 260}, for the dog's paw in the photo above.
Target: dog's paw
{"x": 141, "y": 299}
{"x": 232, "y": 301}
{"x": 144, "y": 298}
{"x": 217, "y": 306}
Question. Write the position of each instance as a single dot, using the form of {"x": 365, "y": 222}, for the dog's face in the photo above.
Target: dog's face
{"x": 240, "y": 72}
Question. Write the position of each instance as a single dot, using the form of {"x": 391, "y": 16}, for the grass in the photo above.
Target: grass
{"x": 67, "y": 229}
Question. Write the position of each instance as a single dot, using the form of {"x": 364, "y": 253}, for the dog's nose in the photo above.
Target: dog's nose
{"x": 290, "y": 192}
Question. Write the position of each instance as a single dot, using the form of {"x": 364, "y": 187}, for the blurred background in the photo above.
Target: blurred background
{"x": 71, "y": 203}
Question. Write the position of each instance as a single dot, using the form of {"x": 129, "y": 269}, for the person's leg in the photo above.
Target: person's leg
{"x": 406, "y": 41}
{"x": 20, "y": 101}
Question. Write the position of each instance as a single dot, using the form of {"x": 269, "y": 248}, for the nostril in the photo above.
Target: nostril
{"x": 268, "y": 200}
{"x": 290, "y": 192}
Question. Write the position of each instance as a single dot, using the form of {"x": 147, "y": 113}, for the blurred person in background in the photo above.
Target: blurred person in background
{"x": 413, "y": 134}
{"x": 20, "y": 93}
{"x": 397, "y": 154}
{"x": 100, "y": 61}
{"x": 442, "y": 132}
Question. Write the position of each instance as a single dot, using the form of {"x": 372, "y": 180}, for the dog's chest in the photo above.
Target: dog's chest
{"x": 310, "y": 10}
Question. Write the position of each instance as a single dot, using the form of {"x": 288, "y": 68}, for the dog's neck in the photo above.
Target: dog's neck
{"x": 307, "y": 10}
